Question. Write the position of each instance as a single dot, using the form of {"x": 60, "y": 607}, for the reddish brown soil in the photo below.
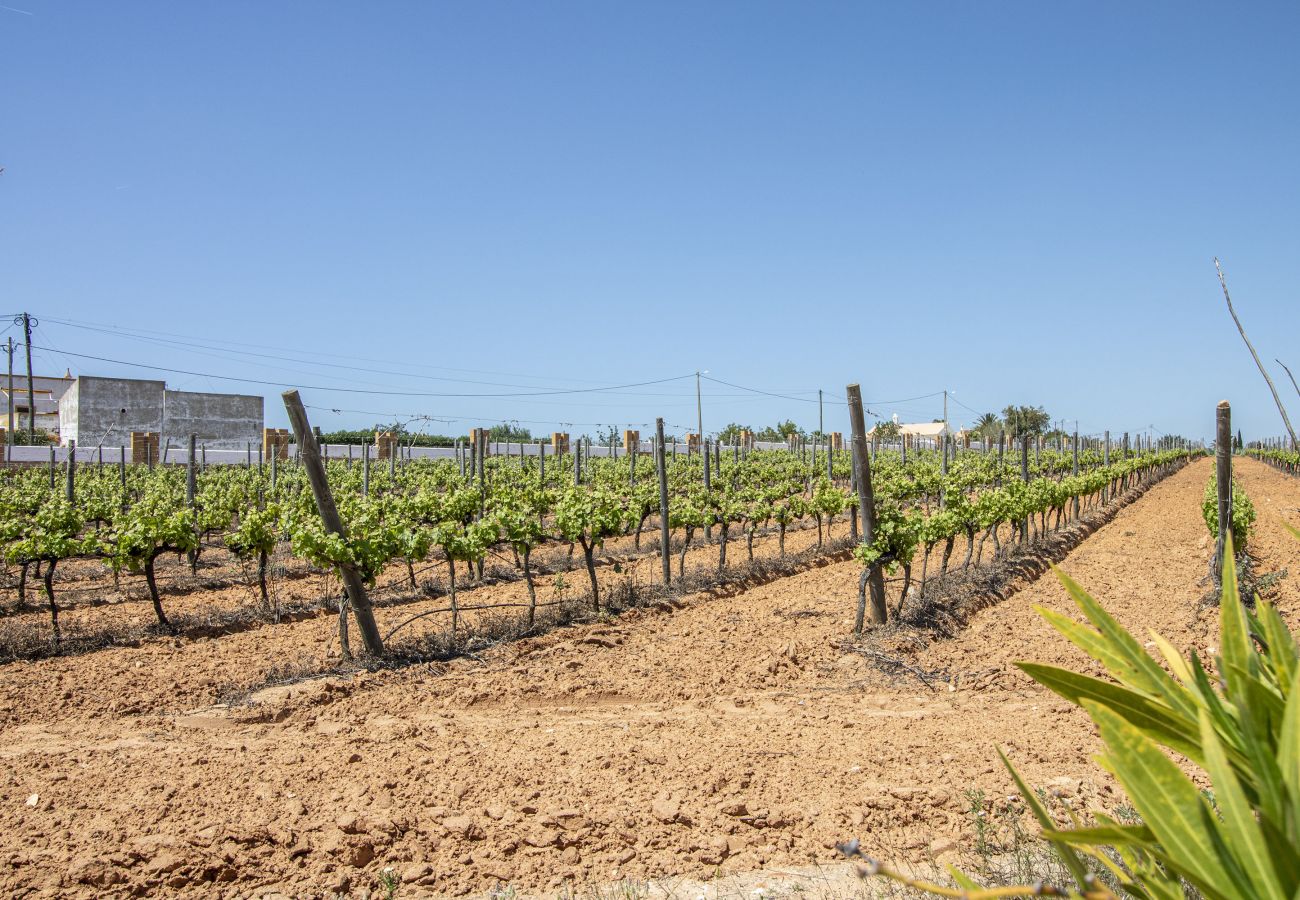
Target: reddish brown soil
{"x": 733, "y": 734}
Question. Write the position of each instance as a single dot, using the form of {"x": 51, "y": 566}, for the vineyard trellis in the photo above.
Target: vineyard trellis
{"x": 414, "y": 510}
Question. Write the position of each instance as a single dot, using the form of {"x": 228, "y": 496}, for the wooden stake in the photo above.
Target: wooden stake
{"x": 660, "y": 461}
{"x": 309, "y": 452}
{"x": 1223, "y": 475}
{"x": 873, "y": 578}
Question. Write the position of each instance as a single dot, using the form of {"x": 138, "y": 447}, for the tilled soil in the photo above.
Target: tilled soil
{"x": 734, "y": 734}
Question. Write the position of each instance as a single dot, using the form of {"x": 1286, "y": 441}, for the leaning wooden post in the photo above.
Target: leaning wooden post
{"x": 1223, "y": 475}
{"x": 660, "y": 464}
{"x": 872, "y": 576}
{"x": 52, "y": 482}
{"x": 309, "y": 453}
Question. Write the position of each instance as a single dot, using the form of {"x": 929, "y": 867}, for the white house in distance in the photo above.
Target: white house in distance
{"x": 47, "y": 390}
{"x": 927, "y": 433}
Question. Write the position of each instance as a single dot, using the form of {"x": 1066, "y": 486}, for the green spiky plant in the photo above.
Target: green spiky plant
{"x": 1239, "y": 725}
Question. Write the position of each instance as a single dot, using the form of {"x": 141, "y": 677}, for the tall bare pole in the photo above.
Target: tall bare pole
{"x": 699, "y": 409}
{"x": 1275, "y": 359}
{"x": 1286, "y": 420}
{"x": 27, "y": 321}
{"x": 9, "y": 433}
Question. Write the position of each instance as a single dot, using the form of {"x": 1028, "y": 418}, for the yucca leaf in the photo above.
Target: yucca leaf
{"x": 1132, "y": 664}
{"x": 1168, "y": 802}
{"x": 1241, "y": 831}
{"x": 1171, "y": 729}
{"x": 1282, "y": 650}
{"x": 1288, "y": 756}
{"x": 1071, "y": 860}
{"x": 1103, "y": 835}
{"x": 1234, "y": 636}
{"x": 963, "y": 880}
{"x": 1173, "y": 659}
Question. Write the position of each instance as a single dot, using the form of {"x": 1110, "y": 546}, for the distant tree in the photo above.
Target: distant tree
{"x": 988, "y": 425}
{"x": 507, "y": 432}
{"x": 1025, "y": 421}
{"x": 887, "y": 430}
{"x": 779, "y": 432}
{"x": 731, "y": 434}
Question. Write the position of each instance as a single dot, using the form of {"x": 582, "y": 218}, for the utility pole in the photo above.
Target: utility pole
{"x": 27, "y": 322}
{"x": 699, "y": 410}
{"x": 9, "y": 432}
{"x": 821, "y": 425}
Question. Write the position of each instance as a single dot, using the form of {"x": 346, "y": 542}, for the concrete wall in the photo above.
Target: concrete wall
{"x": 107, "y": 410}
{"x": 221, "y": 421}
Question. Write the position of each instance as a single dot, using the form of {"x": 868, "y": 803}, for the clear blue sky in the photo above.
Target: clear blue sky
{"x": 1017, "y": 201}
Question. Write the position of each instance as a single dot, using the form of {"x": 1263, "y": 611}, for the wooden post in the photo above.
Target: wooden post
{"x": 541, "y": 460}
{"x": 365, "y": 470}
{"x": 660, "y": 463}
{"x": 872, "y": 577}
{"x": 71, "y": 487}
{"x": 191, "y": 481}
{"x": 275, "y": 458}
{"x": 1223, "y": 475}
{"x": 51, "y": 467}
{"x": 704, "y": 446}
{"x": 309, "y": 453}
{"x": 121, "y": 465}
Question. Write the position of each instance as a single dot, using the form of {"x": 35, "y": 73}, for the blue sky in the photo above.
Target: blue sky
{"x": 1016, "y": 201}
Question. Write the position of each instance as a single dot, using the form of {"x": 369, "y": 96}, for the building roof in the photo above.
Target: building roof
{"x": 919, "y": 429}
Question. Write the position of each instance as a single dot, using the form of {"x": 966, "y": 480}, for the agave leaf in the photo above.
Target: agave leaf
{"x": 1071, "y": 860}
{"x": 1135, "y": 667}
{"x": 1241, "y": 831}
{"x": 1171, "y": 729}
{"x": 1234, "y": 637}
{"x": 1170, "y": 803}
{"x": 1288, "y": 757}
{"x": 1101, "y": 835}
{"x": 964, "y": 881}
{"x": 1282, "y": 651}
{"x": 1174, "y": 659}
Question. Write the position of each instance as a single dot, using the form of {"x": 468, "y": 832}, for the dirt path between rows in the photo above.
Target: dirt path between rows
{"x": 729, "y": 736}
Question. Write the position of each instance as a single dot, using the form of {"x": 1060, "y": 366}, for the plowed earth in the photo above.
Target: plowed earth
{"x": 735, "y": 734}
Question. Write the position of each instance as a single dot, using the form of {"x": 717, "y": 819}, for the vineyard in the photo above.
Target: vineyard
{"x": 446, "y": 519}
{"x": 580, "y": 669}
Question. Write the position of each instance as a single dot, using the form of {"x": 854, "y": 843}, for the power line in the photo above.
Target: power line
{"x": 142, "y": 333}
{"x": 742, "y": 387}
{"x": 317, "y": 387}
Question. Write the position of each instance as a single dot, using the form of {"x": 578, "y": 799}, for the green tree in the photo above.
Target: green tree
{"x": 1025, "y": 421}
{"x": 731, "y": 434}
{"x": 988, "y": 425}
{"x": 781, "y": 431}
